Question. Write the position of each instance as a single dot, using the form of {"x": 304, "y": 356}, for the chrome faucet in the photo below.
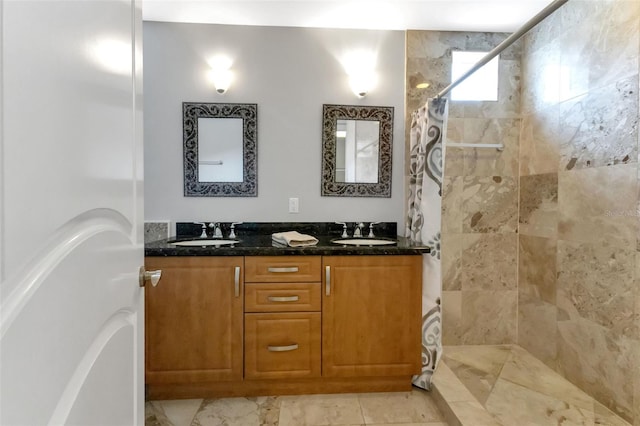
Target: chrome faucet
{"x": 217, "y": 232}
{"x": 204, "y": 229}
{"x": 344, "y": 229}
{"x": 232, "y": 233}
{"x": 371, "y": 234}
{"x": 357, "y": 231}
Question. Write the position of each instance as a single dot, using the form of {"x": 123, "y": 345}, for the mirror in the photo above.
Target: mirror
{"x": 220, "y": 154}
{"x": 356, "y": 151}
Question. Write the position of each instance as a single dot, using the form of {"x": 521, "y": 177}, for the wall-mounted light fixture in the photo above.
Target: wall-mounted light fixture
{"x": 360, "y": 67}
{"x": 220, "y": 74}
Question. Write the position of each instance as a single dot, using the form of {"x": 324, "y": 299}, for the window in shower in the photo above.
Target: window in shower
{"x": 481, "y": 85}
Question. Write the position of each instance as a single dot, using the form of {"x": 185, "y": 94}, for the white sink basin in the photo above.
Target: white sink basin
{"x": 364, "y": 241}
{"x": 200, "y": 243}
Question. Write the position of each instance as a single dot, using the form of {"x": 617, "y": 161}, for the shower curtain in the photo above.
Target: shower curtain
{"x": 428, "y": 127}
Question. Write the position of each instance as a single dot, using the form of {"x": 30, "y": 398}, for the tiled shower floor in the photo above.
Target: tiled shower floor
{"x": 505, "y": 385}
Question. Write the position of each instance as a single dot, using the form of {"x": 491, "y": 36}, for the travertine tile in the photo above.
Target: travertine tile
{"x": 449, "y": 385}
{"x": 472, "y": 413}
{"x": 537, "y": 328}
{"x": 399, "y": 407}
{"x": 600, "y": 128}
{"x": 489, "y": 317}
{"x": 489, "y": 261}
{"x": 537, "y": 268}
{"x": 541, "y": 74}
{"x": 604, "y": 416}
{"x": 452, "y": 205}
{"x": 477, "y": 367}
{"x": 451, "y": 262}
{"x": 598, "y": 205}
{"x": 320, "y": 410}
{"x": 451, "y": 317}
{"x": 173, "y": 412}
{"x": 595, "y": 282}
{"x": 238, "y": 412}
{"x": 489, "y": 162}
{"x": 490, "y": 204}
{"x": 525, "y": 370}
{"x": 598, "y": 361}
{"x": 516, "y": 405}
{"x": 539, "y": 142}
{"x": 539, "y": 205}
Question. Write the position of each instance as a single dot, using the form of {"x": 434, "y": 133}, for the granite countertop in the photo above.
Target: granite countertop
{"x": 255, "y": 240}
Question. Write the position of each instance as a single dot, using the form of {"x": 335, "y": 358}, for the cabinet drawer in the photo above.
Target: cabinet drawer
{"x": 274, "y": 269}
{"x": 285, "y": 345}
{"x": 286, "y": 297}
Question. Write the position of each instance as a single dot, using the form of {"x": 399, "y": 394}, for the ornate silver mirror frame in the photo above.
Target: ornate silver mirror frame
{"x": 331, "y": 114}
{"x": 248, "y": 186}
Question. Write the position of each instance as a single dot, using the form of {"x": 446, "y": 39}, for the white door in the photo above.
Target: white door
{"x": 71, "y": 241}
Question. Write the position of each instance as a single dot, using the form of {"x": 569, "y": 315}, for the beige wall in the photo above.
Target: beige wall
{"x": 578, "y": 223}
{"x": 480, "y": 194}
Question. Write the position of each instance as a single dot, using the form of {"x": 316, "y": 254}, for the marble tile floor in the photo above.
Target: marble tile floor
{"x": 505, "y": 385}
{"x": 415, "y": 408}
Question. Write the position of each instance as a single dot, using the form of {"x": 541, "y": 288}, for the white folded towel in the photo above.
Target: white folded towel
{"x": 294, "y": 239}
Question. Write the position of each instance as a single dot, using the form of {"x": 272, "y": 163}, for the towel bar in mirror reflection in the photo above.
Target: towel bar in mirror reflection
{"x": 356, "y": 151}
{"x": 220, "y": 149}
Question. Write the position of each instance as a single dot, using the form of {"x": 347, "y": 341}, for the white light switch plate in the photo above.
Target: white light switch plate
{"x": 294, "y": 205}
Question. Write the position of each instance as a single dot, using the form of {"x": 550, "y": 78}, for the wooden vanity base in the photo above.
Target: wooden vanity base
{"x": 279, "y": 387}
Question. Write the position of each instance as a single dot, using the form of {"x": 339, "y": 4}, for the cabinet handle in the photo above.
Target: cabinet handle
{"x": 282, "y": 348}
{"x": 282, "y": 270}
{"x": 236, "y": 281}
{"x": 327, "y": 280}
{"x": 283, "y": 298}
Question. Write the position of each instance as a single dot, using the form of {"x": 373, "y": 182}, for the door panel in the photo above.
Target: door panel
{"x": 70, "y": 214}
{"x": 371, "y": 317}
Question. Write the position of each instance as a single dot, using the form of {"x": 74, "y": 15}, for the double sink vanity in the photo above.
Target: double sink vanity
{"x": 252, "y": 318}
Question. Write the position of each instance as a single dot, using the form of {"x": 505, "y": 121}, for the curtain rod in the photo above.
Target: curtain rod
{"x": 551, "y": 7}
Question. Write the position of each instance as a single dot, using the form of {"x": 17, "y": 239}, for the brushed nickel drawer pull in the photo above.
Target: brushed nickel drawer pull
{"x": 283, "y": 348}
{"x": 282, "y": 270}
{"x": 327, "y": 279}
{"x": 236, "y": 281}
{"x": 283, "y": 298}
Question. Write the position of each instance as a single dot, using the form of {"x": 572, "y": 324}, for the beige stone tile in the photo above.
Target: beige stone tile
{"x": 238, "y": 412}
{"x": 525, "y": 370}
{"x": 489, "y": 317}
{"x": 595, "y": 282}
{"x": 449, "y": 386}
{"x": 154, "y": 416}
{"x": 409, "y": 424}
{"x": 451, "y": 258}
{"x": 541, "y": 70}
{"x": 537, "y": 268}
{"x": 490, "y": 204}
{"x": 472, "y": 413}
{"x": 308, "y": 410}
{"x": 539, "y": 142}
{"x": 539, "y": 205}
{"x": 451, "y": 317}
{"x": 597, "y": 361}
{"x": 598, "y": 205}
{"x": 489, "y": 261}
{"x": 485, "y": 162}
{"x": 537, "y": 330}
{"x": 515, "y": 405}
{"x": 399, "y": 407}
{"x": 600, "y": 127}
{"x": 452, "y": 205}
{"x": 604, "y": 416}
{"x": 175, "y": 412}
{"x": 485, "y": 358}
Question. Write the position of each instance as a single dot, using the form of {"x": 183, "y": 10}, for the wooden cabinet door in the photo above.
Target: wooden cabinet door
{"x": 194, "y": 320}
{"x": 371, "y": 315}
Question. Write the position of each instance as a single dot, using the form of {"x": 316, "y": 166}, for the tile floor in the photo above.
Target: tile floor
{"x": 505, "y": 385}
{"x": 474, "y": 386}
{"x": 415, "y": 408}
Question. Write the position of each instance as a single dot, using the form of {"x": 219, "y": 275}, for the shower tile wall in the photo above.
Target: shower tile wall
{"x": 480, "y": 190}
{"x": 579, "y": 276}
